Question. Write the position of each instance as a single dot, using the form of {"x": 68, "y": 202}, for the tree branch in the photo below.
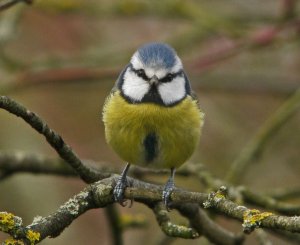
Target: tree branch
{"x": 6, "y": 4}
{"x": 113, "y": 218}
{"x": 283, "y": 194}
{"x": 99, "y": 195}
{"x": 269, "y": 202}
{"x": 32, "y": 163}
{"x": 241, "y": 193}
{"x": 262, "y": 237}
{"x": 64, "y": 151}
{"x": 204, "y": 225}
{"x": 266, "y": 132}
{"x": 23, "y": 162}
{"x": 169, "y": 228}
{"x": 291, "y": 237}
{"x": 20, "y": 162}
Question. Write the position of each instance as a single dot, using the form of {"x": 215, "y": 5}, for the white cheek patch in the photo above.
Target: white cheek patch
{"x": 134, "y": 87}
{"x": 173, "y": 91}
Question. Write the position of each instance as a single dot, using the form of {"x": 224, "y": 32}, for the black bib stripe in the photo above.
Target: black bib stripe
{"x": 151, "y": 147}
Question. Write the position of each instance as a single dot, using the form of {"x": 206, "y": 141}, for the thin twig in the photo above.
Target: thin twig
{"x": 262, "y": 237}
{"x": 64, "y": 151}
{"x": 266, "y": 132}
{"x": 170, "y": 229}
{"x": 288, "y": 236}
{"x": 20, "y": 162}
{"x": 270, "y": 203}
{"x": 242, "y": 193}
{"x": 284, "y": 194}
{"x": 113, "y": 217}
{"x": 166, "y": 240}
{"x": 260, "y": 37}
{"x": 23, "y": 162}
{"x": 204, "y": 225}
{"x": 6, "y": 4}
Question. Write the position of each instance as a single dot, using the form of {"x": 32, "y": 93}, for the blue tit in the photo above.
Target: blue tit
{"x": 151, "y": 117}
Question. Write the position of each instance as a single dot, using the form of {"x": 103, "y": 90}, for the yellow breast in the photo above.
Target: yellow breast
{"x": 151, "y": 135}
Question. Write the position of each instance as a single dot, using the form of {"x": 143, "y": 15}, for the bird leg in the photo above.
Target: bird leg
{"x": 120, "y": 187}
{"x": 168, "y": 189}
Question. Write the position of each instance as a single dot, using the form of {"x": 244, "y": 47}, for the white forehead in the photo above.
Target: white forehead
{"x": 155, "y": 68}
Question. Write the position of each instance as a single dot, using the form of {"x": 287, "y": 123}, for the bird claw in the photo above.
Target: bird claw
{"x": 119, "y": 190}
{"x": 167, "y": 192}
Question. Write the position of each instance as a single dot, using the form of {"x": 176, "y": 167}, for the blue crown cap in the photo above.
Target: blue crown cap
{"x": 157, "y": 54}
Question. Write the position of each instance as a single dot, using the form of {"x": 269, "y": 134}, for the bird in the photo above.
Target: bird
{"x": 152, "y": 118}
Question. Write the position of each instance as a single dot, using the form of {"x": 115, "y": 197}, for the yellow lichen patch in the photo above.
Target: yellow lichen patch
{"x": 252, "y": 219}
{"x": 11, "y": 241}
{"x": 7, "y": 221}
{"x": 132, "y": 221}
{"x": 33, "y": 236}
{"x": 60, "y": 6}
{"x": 220, "y": 194}
{"x": 215, "y": 197}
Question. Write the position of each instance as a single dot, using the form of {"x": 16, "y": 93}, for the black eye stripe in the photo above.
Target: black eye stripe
{"x": 170, "y": 76}
{"x": 140, "y": 73}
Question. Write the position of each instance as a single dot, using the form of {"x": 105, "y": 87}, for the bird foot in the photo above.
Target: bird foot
{"x": 119, "y": 190}
{"x": 167, "y": 192}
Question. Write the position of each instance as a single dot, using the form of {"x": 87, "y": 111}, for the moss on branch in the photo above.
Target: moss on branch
{"x": 99, "y": 195}
{"x": 169, "y": 228}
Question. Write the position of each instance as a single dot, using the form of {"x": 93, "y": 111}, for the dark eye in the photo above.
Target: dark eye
{"x": 141, "y": 73}
{"x": 168, "y": 78}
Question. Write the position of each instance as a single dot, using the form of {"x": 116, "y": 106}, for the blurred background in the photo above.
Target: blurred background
{"x": 61, "y": 58}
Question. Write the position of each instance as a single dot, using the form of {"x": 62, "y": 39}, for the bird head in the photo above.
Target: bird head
{"x": 155, "y": 75}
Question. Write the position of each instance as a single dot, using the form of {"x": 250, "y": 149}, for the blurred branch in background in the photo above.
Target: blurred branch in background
{"x": 20, "y": 162}
{"x": 70, "y": 75}
{"x": 285, "y": 194}
{"x": 64, "y": 151}
{"x": 14, "y": 162}
{"x": 140, "y": 191}
{"x": 114, "y": 221}
{"x": 221, "y": 39}
{"x": 259, "y": 37}
{"x": 6, "y": 4}
{"x": 200, "y": 220}
{"x": 256, "y": 146}
{"x": 216, "y": 50}
{"x": 226, "y": 49}
{"x": 288, "y": 9}
{"x": 9, "y": 22}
